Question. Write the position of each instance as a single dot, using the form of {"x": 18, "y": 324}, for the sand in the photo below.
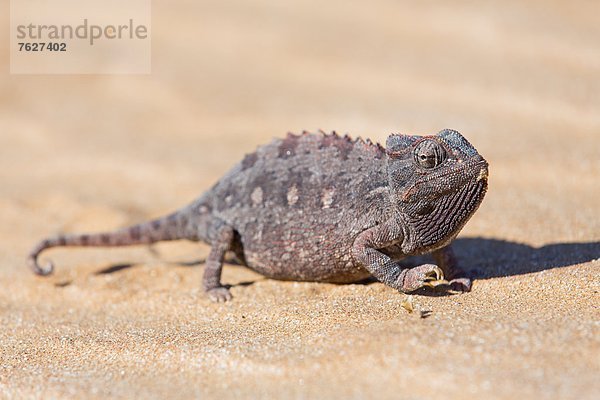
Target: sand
{"x": 87, "y": 153}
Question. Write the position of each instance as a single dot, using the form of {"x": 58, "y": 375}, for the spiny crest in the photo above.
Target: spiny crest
{"x": 345, "y": 144}
{"x": 287, "y": 146}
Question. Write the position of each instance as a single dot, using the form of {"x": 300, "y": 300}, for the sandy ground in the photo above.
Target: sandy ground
{"x": 86, "y": 153}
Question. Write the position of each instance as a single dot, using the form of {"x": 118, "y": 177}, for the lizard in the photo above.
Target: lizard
{"x": 326, "y": 208}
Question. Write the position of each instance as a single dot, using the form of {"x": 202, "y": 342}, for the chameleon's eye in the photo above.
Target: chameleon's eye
{"x": 429, "y": 154}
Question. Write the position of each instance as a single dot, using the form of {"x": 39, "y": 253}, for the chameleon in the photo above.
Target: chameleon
{"x": 326, "y": 208}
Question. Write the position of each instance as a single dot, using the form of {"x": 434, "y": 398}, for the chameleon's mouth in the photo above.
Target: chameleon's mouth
{"x": 483, "y": 174}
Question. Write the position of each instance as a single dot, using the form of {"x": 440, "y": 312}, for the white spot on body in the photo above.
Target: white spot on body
{"x": 292, "y": 195}
{"x": 381, "y": 189}
{"x": 257, "y": 196}
{"x": 327, "y": 197}
{"x": 258, "y": 233}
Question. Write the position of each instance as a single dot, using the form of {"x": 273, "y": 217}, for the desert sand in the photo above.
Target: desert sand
{"x": 93, "y": 152}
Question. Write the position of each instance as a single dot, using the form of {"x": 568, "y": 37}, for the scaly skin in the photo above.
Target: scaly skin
{"x": 321, "y": 207}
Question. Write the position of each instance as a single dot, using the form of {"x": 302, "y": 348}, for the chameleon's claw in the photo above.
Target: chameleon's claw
{"x": 436, "y": 283}
{"x": 428, "y": 275}
{"x": 435, "y": 278}
{"x": 435, "y": 274}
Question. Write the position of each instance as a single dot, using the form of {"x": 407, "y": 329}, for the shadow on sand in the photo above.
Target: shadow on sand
{"x": 486, "y": 258}
{"x": 481, "y": 258}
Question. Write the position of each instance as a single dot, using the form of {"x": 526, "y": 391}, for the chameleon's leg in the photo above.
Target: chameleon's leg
{"x": 211, "y": 281}
{"x": 387, "y": 270}
{"x": 446, "y": 260}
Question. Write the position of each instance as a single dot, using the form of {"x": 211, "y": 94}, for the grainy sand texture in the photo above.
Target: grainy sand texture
{"x": 521, "y": 80}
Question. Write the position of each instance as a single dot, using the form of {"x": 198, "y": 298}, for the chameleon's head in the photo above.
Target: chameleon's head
{"x": 437, "y": 183}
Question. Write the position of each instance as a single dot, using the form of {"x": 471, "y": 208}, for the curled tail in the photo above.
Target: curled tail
{"x": 172, "y": 227}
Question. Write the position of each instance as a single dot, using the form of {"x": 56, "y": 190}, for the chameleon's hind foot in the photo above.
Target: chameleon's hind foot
{"x": 426, "y": 275}
{"x": 446, "y": 260}
{"x": 460, "y": 284}
{"x": 219, "y": 294}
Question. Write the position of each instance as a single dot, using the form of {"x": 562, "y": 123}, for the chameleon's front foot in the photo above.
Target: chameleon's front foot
{"x": 219, "y": 294}
{"x": 426, "y": 275}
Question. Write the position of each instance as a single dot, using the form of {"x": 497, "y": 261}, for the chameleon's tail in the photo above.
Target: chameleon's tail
{"x": 172, "y": 227}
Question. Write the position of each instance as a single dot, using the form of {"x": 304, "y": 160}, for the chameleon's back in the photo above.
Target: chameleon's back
{"x": 297, "y": 204}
